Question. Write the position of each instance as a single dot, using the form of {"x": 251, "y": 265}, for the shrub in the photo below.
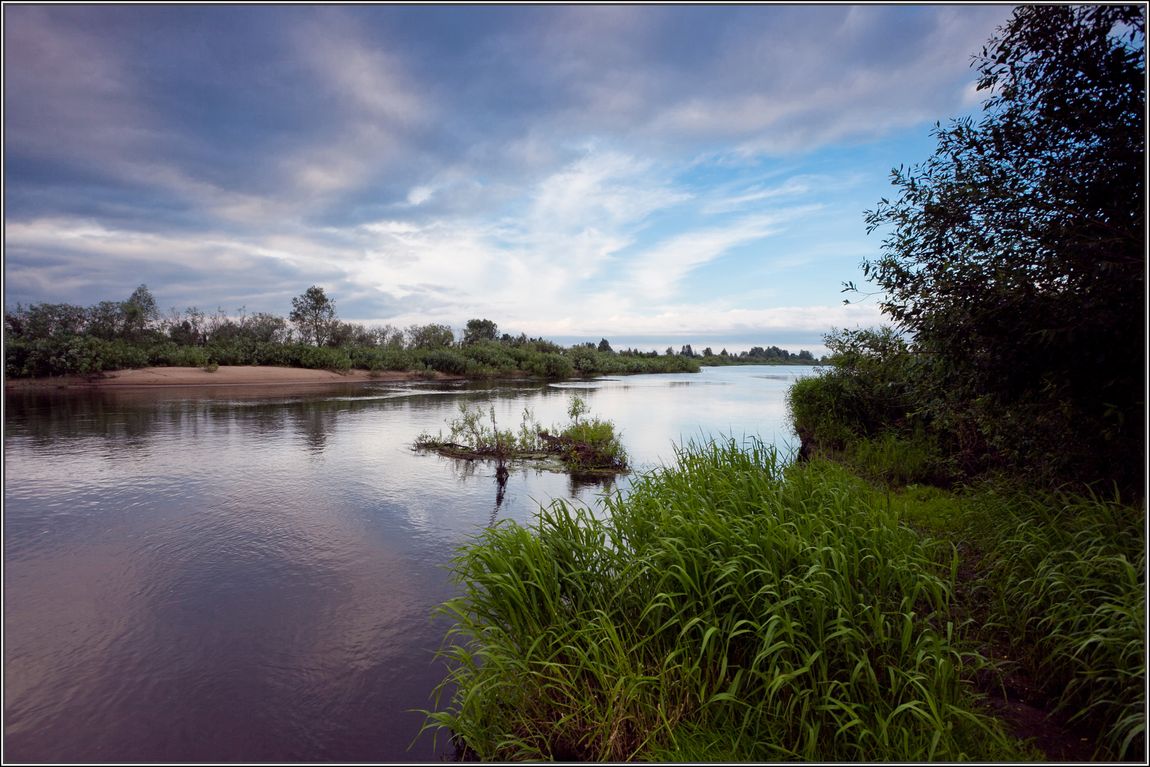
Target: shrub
{"x": 815, "y": 406}
{"x": 322, "y": 358}
{"x": 551, "y": 365}
{"x": 446, "y": 361}
{"x": 490, "y": 355}
{"x": 897, "y": 459}
{"x": 380, "y": 358}
{"x": 177, "y": 356}
{"x": 235, "y": 352}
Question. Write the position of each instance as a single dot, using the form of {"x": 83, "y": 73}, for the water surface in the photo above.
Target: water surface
{"x": 217, "y": 575}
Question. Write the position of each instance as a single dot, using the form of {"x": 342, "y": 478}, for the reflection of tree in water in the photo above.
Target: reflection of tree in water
{"x": 501, "y": 474}
{"x": 464, "y": 469}
{"x": 578, "y": 482}
{"x": 315, "y": 424}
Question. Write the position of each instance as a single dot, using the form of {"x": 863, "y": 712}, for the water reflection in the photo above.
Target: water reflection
{"x": 314, "y": 423}
{"x": 501, "y": 474}
{"x": 233, "y": 576}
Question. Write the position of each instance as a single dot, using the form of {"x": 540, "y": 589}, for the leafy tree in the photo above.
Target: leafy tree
{"x": 266, "y": 328}
{"x": 433, "y": 336}
{"x": 187, "y": 329}
{"x": 106, "y": 320}
{"x": 480, "y": 330}
{"x": 388, "y": 336}
{"x": 40, "y": 321}
{"x": 605, "y": 346}
{"x": 1016, "y": 253}
{"x": 313, "y": 314}
{"x": 139, "y": 312}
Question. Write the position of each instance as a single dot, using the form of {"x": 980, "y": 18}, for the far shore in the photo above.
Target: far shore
{"x": 225, "y": 375}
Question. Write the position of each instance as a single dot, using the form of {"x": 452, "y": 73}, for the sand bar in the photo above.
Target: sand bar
{"x": 225, "y": 375}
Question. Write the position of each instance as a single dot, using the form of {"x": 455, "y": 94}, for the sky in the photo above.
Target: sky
{"x": 655, "y": 175}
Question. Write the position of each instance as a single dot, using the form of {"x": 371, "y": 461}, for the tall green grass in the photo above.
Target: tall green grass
{"x": 1066, "y": 585}
{"x": 721, "y": 612}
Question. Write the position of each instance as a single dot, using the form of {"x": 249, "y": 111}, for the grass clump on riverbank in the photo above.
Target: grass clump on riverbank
{"x": 584, "y": 446}
{"x": 720, "y": 612}
{"x": 1065, "y": 588}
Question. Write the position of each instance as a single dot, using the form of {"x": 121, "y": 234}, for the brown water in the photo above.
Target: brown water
{"x": 212, "y": 576}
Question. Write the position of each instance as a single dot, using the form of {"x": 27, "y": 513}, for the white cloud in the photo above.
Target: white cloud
{"x": 696, "y": 320}
{"x": 659, "y": 270}
{"x": 419, "y": 195}
{"x": 368, "y": 80}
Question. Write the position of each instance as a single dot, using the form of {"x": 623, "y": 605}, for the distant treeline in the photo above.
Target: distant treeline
{"x": 756, "y": 355}
{"x": 64, "y": 339}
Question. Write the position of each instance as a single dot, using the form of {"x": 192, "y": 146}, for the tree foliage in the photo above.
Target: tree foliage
{"x": 432, "y": 336}
{"x": 480, "y": 330}
{"x": 139, "y": 312}
{"x": 1015, "y": 255}
{"x": 313, "y": 314}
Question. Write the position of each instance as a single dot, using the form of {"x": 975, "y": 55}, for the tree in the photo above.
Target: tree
{"x": 313, "y": 314}
{"x": 41, "y": 321}
{"x": 605, "y": 346}
{"x": 433, "y": 336}
{"x": 106, "y": 320}
{"x": 1015, "y": 254}
{"x": 265, "y": 328}
{"x": 140, "y": 312}
{"x": 480, "y": 330}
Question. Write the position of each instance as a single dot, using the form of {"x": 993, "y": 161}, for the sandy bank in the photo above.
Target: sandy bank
{"x": 233, "y": 375}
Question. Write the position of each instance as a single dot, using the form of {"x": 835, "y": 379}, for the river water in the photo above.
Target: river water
{"x": 250, "y": 575}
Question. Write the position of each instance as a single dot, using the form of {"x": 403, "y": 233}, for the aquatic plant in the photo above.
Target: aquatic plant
{"x": 582, "y": 446}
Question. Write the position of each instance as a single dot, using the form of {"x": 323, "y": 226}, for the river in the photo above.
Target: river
{"x": 213, "y": 576}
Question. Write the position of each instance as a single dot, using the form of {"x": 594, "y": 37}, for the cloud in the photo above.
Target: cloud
{"x": 555, "y": 168}
{"x": 658, "y": 271}
{"x": 373, "y": 106}
{"x": 796, "y": 79}
{"x": 361, "y": 75}
{"x": 420, "y": 194}
{"x": 82, "y": 262}
{"x": 67, "y": 95}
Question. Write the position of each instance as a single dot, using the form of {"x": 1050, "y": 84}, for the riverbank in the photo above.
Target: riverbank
{"x": 784, "y": 612}
{"x": 225, "y": 375}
